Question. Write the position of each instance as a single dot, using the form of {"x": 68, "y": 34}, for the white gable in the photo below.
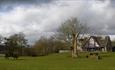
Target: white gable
{"x": 93, "y": 43}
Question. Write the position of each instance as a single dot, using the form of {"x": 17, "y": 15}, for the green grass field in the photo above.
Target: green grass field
{"x": 59, "y": 62}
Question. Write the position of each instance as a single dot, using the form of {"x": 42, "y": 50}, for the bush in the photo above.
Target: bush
{"x": 15, "y": 55}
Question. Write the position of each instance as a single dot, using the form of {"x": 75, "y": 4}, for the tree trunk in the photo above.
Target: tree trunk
{"x": 74, "y": 50}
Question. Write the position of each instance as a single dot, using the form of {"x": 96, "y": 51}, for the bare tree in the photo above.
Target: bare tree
{"x": 71, "y": 30}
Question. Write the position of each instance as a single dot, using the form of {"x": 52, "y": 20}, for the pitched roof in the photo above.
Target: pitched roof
{"x": 91, "y": 37}
{"x": 100, "y": 41}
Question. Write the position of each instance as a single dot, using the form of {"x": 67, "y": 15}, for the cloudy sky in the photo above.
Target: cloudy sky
{"x": 42, "y": 17}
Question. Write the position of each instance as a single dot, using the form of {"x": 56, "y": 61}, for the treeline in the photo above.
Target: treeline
{"x": 45, "y": 46}
{"x": 17, "y": 45}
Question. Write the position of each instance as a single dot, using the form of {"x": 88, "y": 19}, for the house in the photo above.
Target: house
{"x": 96, "y": 43}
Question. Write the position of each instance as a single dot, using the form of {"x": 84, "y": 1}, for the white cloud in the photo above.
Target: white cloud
{"x": 35, "y": 20}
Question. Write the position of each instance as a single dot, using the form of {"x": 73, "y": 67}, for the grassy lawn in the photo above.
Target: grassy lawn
{"x": 59, "y": 62}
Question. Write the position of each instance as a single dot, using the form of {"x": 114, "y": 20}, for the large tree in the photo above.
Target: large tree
{"x": 14, "y": 44}
{"x": 71, "y": 30}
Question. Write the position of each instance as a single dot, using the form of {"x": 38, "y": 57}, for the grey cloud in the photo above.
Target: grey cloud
{"x": 7, "y": 5}
{"x": 112, "y": 3}
{"x": 100, "y": 18}
{"x": 23, "y": 1}
{"x": 36, "y": 20}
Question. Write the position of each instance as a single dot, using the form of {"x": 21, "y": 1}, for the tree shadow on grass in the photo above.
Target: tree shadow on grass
{"x": 13, "y": 59}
